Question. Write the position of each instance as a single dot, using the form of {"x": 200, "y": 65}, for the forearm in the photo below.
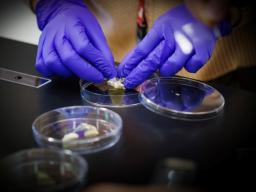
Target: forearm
{"x": 33, "y": 4}
{"x": 210, "y": 12}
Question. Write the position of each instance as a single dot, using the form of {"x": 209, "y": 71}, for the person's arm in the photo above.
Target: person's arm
{"x": 212, "y": 12}
{"x": 32, "y": 4}
{"x": 209, "y": 12}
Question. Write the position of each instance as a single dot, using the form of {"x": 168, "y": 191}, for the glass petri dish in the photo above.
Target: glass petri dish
{"x": 104, "y": 95}
{"x": 181, "y": 98}
{"x": 43, "y": 170}
{"x": 50, "y": 128}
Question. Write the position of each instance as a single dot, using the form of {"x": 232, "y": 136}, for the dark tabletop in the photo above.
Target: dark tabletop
{"x": 221, "y": 147}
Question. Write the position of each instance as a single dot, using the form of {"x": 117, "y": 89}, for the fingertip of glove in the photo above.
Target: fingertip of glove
{"x": 120, "y": 73}
{"x": 112, "y": 73}
{"x": 164, "y": 72}
{"x": 42, "y": 70}
{"x": 191, "y": 69}
{"x": 95, "y": 77}
{"x": 193, "y": 66}
{"x": 129, "y": 85}
{"x": 97, "y": 80}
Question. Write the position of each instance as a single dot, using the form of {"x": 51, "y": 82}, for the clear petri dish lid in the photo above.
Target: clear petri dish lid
{"x": 181, "y": 98}
{"x": 104, "y": 95}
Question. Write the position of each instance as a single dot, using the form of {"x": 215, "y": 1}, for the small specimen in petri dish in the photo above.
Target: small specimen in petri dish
{"x": 116, "y": 83}
{"x": 84, "y": 130}
{"x": 109, "y": 94}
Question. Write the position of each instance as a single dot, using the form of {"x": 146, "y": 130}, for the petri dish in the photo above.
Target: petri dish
{"x": 104, "y": 95}
{"x": 181, "y": 98}
{"x": 43, "y": 170}
{"x": 50, "y": 128}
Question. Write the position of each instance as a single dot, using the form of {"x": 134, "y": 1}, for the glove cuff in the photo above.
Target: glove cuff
{"x": 222, "y": 29}
{"x": 225, "y": 28}
{"x": 45, "y": 10}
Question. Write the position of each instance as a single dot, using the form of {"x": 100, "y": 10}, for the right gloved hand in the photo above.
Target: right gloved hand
{"x": 176, "y": 40}
{"x": 72, "y": 42}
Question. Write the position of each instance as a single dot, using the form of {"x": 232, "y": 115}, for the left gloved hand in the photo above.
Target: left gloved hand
{"x": 72, "y": 42}
{"x": 176, "y": 40}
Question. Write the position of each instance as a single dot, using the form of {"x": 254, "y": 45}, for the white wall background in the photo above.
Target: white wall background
{"x": 18, "y": 22}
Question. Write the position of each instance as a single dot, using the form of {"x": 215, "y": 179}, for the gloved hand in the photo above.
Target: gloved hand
{"x": 72, "y": 42}
{"x": 176, "y": 40}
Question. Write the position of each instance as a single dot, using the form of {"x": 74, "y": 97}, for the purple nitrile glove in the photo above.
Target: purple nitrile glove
{"x": 176, "y": 40}
{"x": 72, "y": 42}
